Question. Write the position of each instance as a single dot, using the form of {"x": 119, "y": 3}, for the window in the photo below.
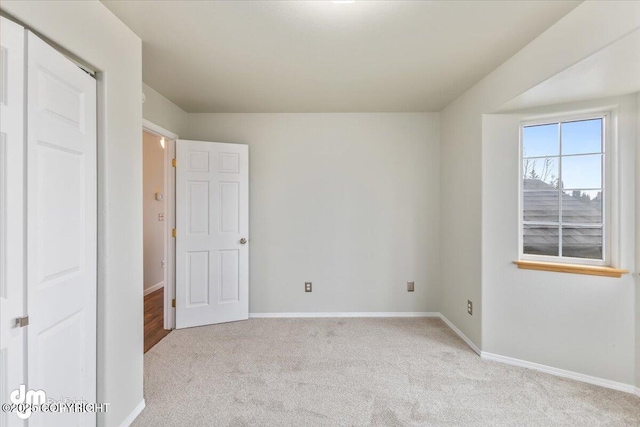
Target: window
{"x": 564, "y": 195}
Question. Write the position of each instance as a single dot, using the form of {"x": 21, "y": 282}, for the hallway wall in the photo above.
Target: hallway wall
{"x": 153, "y": 228}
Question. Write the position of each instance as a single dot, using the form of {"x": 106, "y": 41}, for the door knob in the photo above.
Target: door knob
{"x": 243, "y": 241}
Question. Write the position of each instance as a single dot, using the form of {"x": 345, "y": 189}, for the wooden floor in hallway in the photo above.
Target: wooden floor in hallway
{"x": 154, "y": 319}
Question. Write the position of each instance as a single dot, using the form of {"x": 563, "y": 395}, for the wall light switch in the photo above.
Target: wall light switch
{"x": 410, "y": 286}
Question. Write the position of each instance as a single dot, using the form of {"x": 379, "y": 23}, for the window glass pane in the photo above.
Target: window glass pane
{"x": 540, "y": 174}
{"x": 540, "y": 240}
{"x": 540, "y": 141}
{"x": 582, "y": 207}
{"x": 582, "y": 137}
{"x": 582, "y": 242}
{"x": 582, "y": 172}
{"x": 541, "y": 206}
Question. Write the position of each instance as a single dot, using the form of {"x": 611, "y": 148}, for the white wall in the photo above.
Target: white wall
{"x": 372, "y": 215}
{"x": 153, "y": 229}
{"x": 89, "y": 31}
{"x": 346, "y": 201}
{"x": 588, "y": 28}
{"x": 574, "y": 322}
{"x": 460, "y": 213}
{"x": 162, "y": 112}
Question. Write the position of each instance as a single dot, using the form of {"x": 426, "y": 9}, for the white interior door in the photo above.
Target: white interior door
{"x": 212, "y": 233}
{"x": 12, "y": 285}
{"x": 61, "y": 231}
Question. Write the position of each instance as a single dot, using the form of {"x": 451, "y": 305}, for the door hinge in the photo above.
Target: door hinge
{"x": 173, "y": 302}
{"x": 173, "y": 163}
{"x": 173, "y": 232}
{"x": 21, "y": 322}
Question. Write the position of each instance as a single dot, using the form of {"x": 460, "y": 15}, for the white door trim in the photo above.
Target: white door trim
{"x": 157, "y": 130}
{"x": 169, "y": 276}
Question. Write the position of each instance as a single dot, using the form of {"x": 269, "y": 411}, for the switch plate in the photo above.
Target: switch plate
{"x": 410, "y": 286}
{"x": 470, "y": 307}
{"x": 160, "y": 217}
{"x": 307, "y": 286}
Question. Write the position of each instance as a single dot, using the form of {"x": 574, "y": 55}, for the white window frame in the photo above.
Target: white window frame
{"x": 609, "y": 192}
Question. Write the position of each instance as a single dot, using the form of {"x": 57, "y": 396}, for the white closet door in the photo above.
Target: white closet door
{"x": 212, "y": 242}
{"x": 61, "y": 231}
{"x": 12, "y": 290}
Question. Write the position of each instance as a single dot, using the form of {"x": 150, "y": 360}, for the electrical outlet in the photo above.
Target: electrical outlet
{"x": 410, "y": 286}
{"x": 307, "y": 286}
{"x": 470, "y": 307}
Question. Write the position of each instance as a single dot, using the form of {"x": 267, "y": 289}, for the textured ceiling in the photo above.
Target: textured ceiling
{"x": 319, "y": 56}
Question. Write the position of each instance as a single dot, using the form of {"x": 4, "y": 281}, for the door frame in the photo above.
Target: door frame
{"x": 169, "y": 207}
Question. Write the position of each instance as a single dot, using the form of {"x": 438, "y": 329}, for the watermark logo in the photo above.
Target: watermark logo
{"x": 24, "y": 402}
{"x": 26, "y": 399}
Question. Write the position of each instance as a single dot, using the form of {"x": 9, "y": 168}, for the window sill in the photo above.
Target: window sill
{"x": 593, "y": 270}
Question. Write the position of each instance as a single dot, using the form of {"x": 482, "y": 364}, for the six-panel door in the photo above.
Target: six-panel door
{"x": 61, "y": 231}
{"x": 212, "y": 221}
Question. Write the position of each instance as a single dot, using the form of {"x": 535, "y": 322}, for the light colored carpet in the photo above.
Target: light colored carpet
{"x": 356, "y": 372}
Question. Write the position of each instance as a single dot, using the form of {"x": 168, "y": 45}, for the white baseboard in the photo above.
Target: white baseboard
{"x": 154, "y": 288}
{"x": 460, "y": 334}
{"x": 638, "y": 391}
{"x": 346, "y": 314}
{"x": 559, "y": 372}
{"x": 134, "y": 414}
